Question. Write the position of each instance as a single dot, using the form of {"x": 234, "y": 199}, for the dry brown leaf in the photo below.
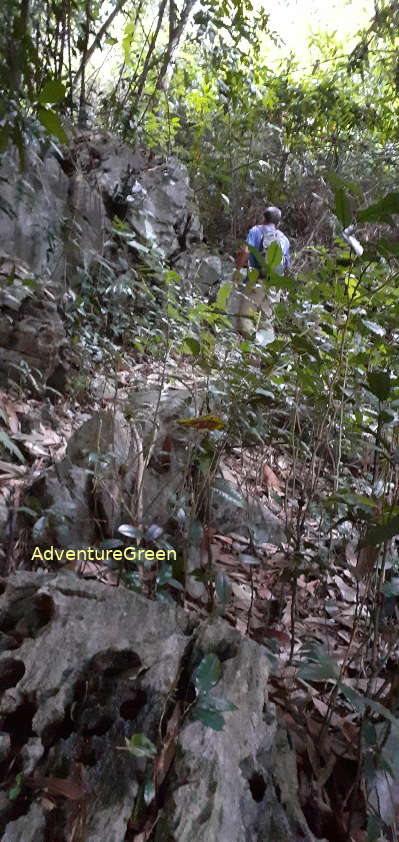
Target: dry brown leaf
{"x": 270, "y": 480}
{"x": 70, "y": 788}
{"x": 9, "y": 414}
{"x": 366, "y": 560}
{"x": 167, "y": 753}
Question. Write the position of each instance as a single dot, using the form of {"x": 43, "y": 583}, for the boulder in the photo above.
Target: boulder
{"x": 124, "y": 666}
{"x": 202, "y": 271}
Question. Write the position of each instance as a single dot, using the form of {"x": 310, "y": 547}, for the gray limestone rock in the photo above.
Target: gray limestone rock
{"x": 32, "y": 336}
{"x": 96, "y": 665}
{"x": 86, "y": 495}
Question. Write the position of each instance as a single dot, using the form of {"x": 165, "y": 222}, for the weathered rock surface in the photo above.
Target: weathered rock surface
{"x": 32, "y": 335}
{"x": 32, "y": 210}
{"x": 87, "y": 495}
{"x": 95, "y": 665}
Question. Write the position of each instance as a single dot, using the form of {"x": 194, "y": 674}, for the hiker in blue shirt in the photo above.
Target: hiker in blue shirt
{"x": 261, "y": 236}
{"x": 252, "y": 301}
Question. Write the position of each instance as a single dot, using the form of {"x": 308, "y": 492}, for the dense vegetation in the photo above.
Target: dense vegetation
{"x": 322, "y": 396}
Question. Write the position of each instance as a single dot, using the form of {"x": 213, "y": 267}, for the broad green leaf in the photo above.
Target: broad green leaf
{"x": 375, "y": 827}
{"x": 391, "y": 588}
{"x": 324, "y": 667}
{"x": 141, "y": 746}
{"x": 264, "y": 337}
{"x": 210, "y": 718}
{"x": 208, "y": 673}
{"x": 149, "y": 791}
{"x": 130, "y": 531}
{"x": 4, "y": 137}
{"x": 15, "y": 790}
{"x": 191, "y": 346}
{"x": 339, "y": 183}
{"x": 274, "y": 255}
{"x": 52, "y": 123}
{"x": 379, "y": 534}
{"x": 223, "y": 294}
{"x": 303, "y": 346}
{"x": 342, "y": 207}
{"x": 374, "y": 327}
{"x": 10, "y": 446}
{"x": 223, "y": 587}
{"x": 380, "y": 211}
{"x": 379, "y": 383}
{"x": 52, "y": 91}
{"x": 228, "y": 492}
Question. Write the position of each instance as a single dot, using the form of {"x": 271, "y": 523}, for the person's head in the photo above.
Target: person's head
{"x": 272, "y": 216}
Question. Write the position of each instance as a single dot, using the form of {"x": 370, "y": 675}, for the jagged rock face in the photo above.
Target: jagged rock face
{"x": 88, "y": 666}
{"x": 56, "y": 221}
{"x": 156, "y": 201}
{"x": 32, "y": 336}
{"x": 33, "y": 205}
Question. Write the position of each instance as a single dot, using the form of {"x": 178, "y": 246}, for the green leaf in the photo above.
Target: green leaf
{"x": 10, "y": 446}
{"x": 216, "y": 703}
{"x": 223, "y": 588}
{"x": 380, "y": 211}
{"x": 379, "y": 534}
{"x": 52, "y": 123}
{"x": 274, "y": 255}
{"x": 264, "y": 337}
{"x": 379, "y": 384}
{"x": 324, "y": 668}
{"x": 391, "y": 588}
{"x": 375, "y": 826}
{"x": 16, "y": 789}
{"x": 149, "y": 791}
{"x": 210, "y": 718}
{"x": 130, "y": 531}
{"x": 53, "y": 91}
{"x": 141, "y": 746}
{"x": 4, "y": 136}
{"x": 342, "y": 207}
{"x": 304, "y": 346}
{"x": 228, "y": 492}
{"x": 191, "y": 346}
{"x": 338, "y": 182}
{"x": 223, "y": 295}
{"x": 208, "y": 673}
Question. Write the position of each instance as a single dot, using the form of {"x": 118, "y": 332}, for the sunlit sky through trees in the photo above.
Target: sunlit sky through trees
{"x": 295, "y": 21}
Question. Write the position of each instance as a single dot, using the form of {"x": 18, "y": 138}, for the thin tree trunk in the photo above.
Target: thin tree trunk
{"x": 144, "y": 73}
{"x": 16, "y": 46}
{"x": 82, "y": 97}
{"x": 97, "y": 40}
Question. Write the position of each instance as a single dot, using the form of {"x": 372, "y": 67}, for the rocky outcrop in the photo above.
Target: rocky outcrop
{"x": 84, "y": 668}
{"x": 32, "y": 335}
{"x": 57, "y": 224}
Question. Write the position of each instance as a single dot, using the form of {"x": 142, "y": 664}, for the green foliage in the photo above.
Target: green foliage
{"x": 141, "y": 746}
{"x": 209, "y": 709}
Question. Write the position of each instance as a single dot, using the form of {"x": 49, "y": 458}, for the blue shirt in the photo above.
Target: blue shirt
{"x": 271, "y": 233}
